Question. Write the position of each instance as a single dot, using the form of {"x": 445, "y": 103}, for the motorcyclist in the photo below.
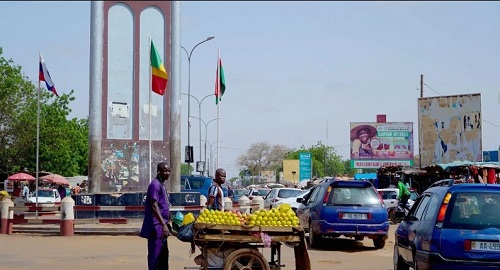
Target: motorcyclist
{"x": 404, "y": 193}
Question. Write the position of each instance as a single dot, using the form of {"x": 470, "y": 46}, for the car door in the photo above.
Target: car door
{"x": 307, "y": 211}
{"x": 406, "y": 232}
{"x": 426, "y": 228}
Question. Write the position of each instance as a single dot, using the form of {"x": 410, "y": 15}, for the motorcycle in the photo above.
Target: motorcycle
{"x": 398, "y": 208}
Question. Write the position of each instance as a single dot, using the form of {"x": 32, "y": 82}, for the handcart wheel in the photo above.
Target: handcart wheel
{"x": 246, "y": 259}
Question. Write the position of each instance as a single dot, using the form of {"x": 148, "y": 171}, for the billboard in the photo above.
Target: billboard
{"x": 374, "y": 145}
{"x": 490, "y": 156}
{"x": 449, "y": 129}
{"x": 305, "y": 166}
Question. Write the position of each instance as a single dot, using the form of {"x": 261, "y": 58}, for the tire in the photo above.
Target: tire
{"x": 314, "y": 239}
{"x": 379, "y": 243}
{"x": 392, "y": 216}
{"x": 399, "y": 264}
{"x": 245, "y": 258}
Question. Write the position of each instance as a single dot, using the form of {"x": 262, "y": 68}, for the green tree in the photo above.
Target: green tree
{"x": 185, "y": 168}
{"x": 63, "y": 142}
{"x": 263, "y": 156}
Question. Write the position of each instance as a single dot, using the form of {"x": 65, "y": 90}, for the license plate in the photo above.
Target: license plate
{"x": 485, "y": 246}
{"x": 354, "y": 216}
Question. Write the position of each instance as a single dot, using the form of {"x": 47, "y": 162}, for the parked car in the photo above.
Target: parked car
{"x": 198, "y": 183}
{"x": 237, "y": 193}
{"x": 390, "y": 197}
{"x": 344, "y": 208}
{"x": 258, "y": 192}
{"x": 45, "y": 196}
{"x": 450, "y": 227}
{"x": 277, "y": 194}
{"x": 292, "y": 201}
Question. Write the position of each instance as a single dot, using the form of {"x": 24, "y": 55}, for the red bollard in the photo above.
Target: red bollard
{"x": 67, "y": 227}
{"x": 6, "y": 226}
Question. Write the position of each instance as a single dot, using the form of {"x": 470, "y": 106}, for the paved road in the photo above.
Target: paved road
{"x": 98, "y": 252}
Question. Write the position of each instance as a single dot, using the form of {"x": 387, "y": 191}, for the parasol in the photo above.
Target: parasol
{"x": 21, "y": 176}
{"x": 55, "y": 179}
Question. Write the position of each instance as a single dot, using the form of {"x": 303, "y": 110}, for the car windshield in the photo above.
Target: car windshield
{"x": 286, "y": 193}
{"x": 192, "y": 183}
{"x": 473, "y": 211}
{"x": 44, "y": 193}
{"x": 239, "y": 192}
{"x": 389, "y": 194}
{"x": 353, "y": 196}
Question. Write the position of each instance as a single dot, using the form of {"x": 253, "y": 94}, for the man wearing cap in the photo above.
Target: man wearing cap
{"x": 156, "y": 217}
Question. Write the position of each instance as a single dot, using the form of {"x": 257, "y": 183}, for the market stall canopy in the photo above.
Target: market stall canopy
{"x": 21, "y": 176}
{"x": 55, "y": 179}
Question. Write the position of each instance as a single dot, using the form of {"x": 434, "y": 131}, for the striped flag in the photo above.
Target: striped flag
{"x": 159, "y": 76}
{"x": 220, "y": 82}
{"x": 44, "y": 75}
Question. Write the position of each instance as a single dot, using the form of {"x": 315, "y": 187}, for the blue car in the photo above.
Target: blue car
{"x": 198, "y": 183}
{"x": 347, "y": 208}
{"x": 451, "y": 227}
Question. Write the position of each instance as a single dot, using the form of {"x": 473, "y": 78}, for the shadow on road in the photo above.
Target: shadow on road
{"x": 342, "y": 244}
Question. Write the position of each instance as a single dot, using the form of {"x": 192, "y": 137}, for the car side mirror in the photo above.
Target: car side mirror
{"x": 300, "y": 200}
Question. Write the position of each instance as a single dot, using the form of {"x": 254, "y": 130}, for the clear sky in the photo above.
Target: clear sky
{"x": 296, "y": 72}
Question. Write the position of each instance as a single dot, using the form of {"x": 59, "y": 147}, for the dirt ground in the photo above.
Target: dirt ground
{"x": 93, "y": 252}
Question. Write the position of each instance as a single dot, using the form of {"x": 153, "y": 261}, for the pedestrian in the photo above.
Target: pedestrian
{"x": 215, "y": 194}
{"x": 26, "y": 192}
{"x": 62, "y": 191}
{"x": 156, "y": 216}
{"x": 230, "y": 192}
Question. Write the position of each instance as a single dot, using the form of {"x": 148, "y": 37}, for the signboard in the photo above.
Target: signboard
{"x": 374, "y": 145}
{"x": 450, "y": 129}
{"x": 305, "y": 166}
{"x": 8, "y": 186}
{"x": 490, "y": 156}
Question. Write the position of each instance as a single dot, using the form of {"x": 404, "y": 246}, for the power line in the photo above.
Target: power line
{"x": 493, "y": 124}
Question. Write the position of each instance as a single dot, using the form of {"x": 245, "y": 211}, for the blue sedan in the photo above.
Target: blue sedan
{"x": 451, "y": 227}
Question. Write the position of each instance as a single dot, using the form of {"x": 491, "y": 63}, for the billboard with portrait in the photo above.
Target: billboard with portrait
{"x": 449, "y": 129}
{"x": 374, "y": 145}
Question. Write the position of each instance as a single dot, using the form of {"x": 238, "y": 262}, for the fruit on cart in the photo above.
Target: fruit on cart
{"x": 221, "y": 217}
{"x": 281, "y": 216}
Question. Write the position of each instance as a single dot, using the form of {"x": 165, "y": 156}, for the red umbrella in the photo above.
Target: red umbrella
{"x": 21, "y": 176}
{"x": 56, "y": 179}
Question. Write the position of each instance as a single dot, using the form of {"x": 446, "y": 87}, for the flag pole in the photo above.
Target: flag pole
{"x": 218, "y": 107}
{"x": 37, "y": 133}
{"x": 150, "y": 89}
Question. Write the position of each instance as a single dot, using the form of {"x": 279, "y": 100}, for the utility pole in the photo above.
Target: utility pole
{"x": 419, "y": 127}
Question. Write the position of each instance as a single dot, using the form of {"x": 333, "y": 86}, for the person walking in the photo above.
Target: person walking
{"x": 156, "y": 216}
{"x": 215, "y": 194}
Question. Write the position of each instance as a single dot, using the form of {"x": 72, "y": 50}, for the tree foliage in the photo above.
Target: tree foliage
{"x": 263, "y": 156}
{"x": 63, "y": 142}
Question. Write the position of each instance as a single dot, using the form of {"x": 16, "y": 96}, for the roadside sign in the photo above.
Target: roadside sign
{"x": 305, "y": 166}
{"x": 490, "y": 156}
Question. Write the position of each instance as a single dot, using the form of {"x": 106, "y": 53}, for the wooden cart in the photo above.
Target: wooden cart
{"x": 238, "y": 246}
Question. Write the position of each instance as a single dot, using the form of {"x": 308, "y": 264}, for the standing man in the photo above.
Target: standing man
{"x": 26, "y": 192}
{"x": 215, "y": 194}
{"x": 156, "y": 217}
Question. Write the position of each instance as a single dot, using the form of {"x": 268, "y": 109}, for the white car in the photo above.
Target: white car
{"x": 45, "y": 196}
{"x": 292, "y": 201}
{"x": 390, "y": 197}
{"x": 277, "y": 194}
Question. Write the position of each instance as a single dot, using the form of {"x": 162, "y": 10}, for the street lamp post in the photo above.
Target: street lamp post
{"x": 199, "y": 116}
{"x": 189, "y": 88}
{"x": 206, "y": 133}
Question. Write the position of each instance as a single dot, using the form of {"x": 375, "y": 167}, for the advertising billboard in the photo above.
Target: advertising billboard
{"x": 450, "y": 129}
{"x": 305, "y": 166}
{"x": 374, "y": 145}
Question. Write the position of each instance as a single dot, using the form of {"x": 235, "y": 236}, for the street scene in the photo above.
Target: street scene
{"x": 249, "y": 135}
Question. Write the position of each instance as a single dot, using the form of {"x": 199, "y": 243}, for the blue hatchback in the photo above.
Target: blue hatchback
{"x": 348, "y": 208}
{"x": 451, "y": 227}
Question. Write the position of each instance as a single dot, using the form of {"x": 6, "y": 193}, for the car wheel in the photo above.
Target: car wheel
{"x": 399, "y": 264}
{"x": 379, "y": 243}
{"x": 314, "y": 239}
{"x": 392, "y": 216}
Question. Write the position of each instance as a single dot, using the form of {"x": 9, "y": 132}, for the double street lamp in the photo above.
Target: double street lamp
{"x": 199, "y": 115}
{"x": 206, "y": 132}
{"x": 189, "y": 88}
